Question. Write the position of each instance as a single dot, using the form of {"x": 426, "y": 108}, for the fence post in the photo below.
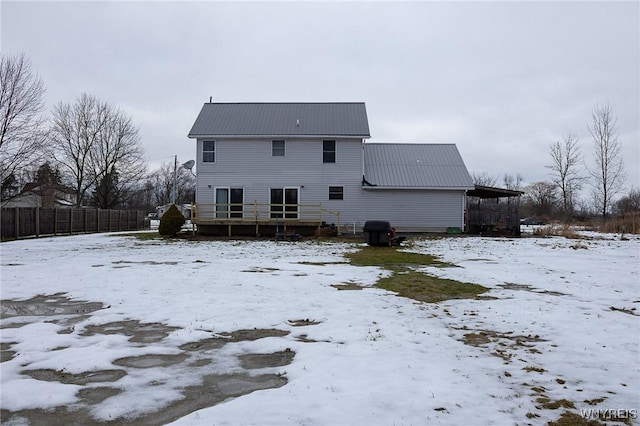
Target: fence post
{"x": 55, "y": 221}
{"x": 37, "y": 222}
{"x": 17, "y": 222}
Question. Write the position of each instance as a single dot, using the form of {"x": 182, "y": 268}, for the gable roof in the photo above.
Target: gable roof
{"x": 415, "y": 166}
{"x": 281, "y": 119}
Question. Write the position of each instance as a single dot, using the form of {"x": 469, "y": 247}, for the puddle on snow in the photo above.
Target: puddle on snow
{"x": 526, "y": 287}
{"x": 276, "y": 359}
{"x": 76, "y": 379}
{"x": 43, "y": 305}
{"x": 98, "y": 386}
{"x": 149, "y": 361}
{"x": 139, "y": 332}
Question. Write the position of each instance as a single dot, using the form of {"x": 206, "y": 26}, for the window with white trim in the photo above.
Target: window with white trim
{"x": 328, "y": 151}
{"x": 336, "y": 193}
{"x": 208, "y": 151}
{"x": 277, "y": 148}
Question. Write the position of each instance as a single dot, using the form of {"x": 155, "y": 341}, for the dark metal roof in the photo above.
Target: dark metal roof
{"x": 407, "y": 165}
{"x": 492, "y": 192}
{"x": 281, "y": 119}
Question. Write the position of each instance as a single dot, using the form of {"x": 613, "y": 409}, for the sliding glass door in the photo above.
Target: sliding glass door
{"x": 229, "y": 202}
{"x": 284, "y": 203}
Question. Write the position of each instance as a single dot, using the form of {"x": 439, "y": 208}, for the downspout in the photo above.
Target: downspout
{"x": 362, "y": 160}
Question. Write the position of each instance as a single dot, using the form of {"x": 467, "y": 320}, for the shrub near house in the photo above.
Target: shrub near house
{"x": 171, "y": 222}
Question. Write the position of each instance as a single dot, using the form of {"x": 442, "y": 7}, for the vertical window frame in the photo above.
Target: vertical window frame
{"x": 208, "y": 155}
{"x": 329, "y": 151}
{"x": 278, "y": 151}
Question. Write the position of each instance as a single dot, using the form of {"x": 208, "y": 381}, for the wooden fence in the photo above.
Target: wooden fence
{"x": 24, "y": 222}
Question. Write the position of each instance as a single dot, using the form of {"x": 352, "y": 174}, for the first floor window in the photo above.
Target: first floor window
{"x": 208, "y": 151}
{"x": 336, "y": 193}
{"x": 328, "y": 151}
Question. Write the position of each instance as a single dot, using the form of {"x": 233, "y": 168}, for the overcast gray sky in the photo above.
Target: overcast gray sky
{"x": 502, "y": 80}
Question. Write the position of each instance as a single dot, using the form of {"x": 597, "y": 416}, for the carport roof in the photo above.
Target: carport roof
{"x": 492, "y": 192}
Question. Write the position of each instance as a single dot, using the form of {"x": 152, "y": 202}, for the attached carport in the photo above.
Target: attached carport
{"x": 493, "y": 211}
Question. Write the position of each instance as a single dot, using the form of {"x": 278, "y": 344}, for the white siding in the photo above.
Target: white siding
{"x": 250, "y": 165}
{"x": 408, "y": 210}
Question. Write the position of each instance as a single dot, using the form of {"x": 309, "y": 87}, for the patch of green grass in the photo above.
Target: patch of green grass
{"x": 426, "y": 288}
{"x": 408, "y": 282}
{"x": 392, "y": 257}
{"x": 530, "y": 369}
{"x": 554, "y": 405}
{"x": 594, "y": 401}
{"x": 151, "y": 235}
{"x": 572, "y": 419}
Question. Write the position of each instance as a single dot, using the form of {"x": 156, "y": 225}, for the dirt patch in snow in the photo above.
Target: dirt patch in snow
{"x": 215, "y": 384}
{"x": 41, "y": 305}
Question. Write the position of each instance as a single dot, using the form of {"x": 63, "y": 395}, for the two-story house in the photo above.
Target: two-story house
{"x": 300, "y": 164}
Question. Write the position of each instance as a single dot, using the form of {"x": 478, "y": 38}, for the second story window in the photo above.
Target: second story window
{"x": 328, "y": 151}
{"x": 277, "y": 148}
{"x": 208, "y": 151}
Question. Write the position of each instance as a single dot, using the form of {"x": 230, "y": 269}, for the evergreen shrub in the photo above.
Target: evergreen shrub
{"x": 171, "y": 222}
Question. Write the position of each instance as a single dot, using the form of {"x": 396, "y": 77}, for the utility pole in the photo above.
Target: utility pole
{"x": 175, "y": 178}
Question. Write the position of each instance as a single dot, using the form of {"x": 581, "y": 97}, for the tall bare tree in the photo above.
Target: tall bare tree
{"x": 21, "y": 123}
{"x": 92, "y": 138}
{"x": 75, "y": 133}
{"x": 565, "y": 159}
{"x": 118, "y": 149}
{"x": 608, "y": 172}
{"x": 483, "y": 179}
{"x": 512, "y": 182}
{"x": 163, "y": 183}
{"x": 541, "y": 198}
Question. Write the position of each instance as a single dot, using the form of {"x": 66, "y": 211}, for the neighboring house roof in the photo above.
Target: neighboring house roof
{"x": 347, "y": 119}
{"x": 417, "y": 166}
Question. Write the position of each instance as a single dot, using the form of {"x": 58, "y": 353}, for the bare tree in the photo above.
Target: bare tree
{"x": 608, "y": 172}
{"x": 565, "y": 158}
{"x": 21, "y": 124}
{"x": 91, "y": 139}
{"x": 483, "y": 179}
{"x": 75, "y": 132}
{"x": 541, "y": 198}
{"x": 512, "y": 182}
{"x": 630, "y": 202}
{"x": 163, "y": 183}
{"x": 118, "y": 149}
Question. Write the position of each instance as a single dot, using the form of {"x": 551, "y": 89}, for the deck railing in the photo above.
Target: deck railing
{"x": 262, "y": 213}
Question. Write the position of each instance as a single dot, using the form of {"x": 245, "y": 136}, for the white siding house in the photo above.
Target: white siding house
{"x": 308, "y": 162}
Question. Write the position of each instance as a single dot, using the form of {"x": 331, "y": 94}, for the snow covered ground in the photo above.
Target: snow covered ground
{"x": 560, "y": 325}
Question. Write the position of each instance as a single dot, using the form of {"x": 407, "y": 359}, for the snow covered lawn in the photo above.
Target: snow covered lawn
{"x": 114, "y": 327}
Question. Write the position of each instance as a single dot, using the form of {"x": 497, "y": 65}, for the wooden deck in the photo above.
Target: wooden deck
{"x": 260, "y": 219}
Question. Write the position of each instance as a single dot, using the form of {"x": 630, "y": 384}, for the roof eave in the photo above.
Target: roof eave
{"x": 203, "y": 136}
{"x": 431, "y": 188}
